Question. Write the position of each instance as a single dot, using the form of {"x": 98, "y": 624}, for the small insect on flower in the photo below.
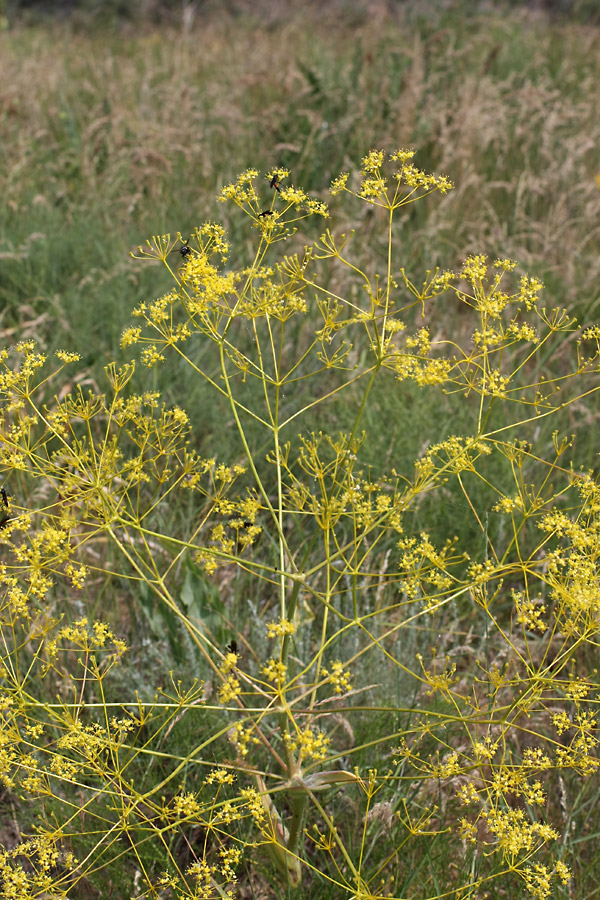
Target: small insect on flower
{"x": 4, "y": 496}
{"x": 274, "y": 182}
{"x": 232, "y": 646}
{"x": 267, "y": 212}
{"x": 185, "y": 250}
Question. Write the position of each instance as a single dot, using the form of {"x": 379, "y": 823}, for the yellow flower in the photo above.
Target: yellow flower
{"x": 339, "y": 184}
{"x": 402, "y": 156}
{"x": 186, "y": 806}
{"x": 274, "y": 671}
{"x": 310, "y": 744}
{"x": 373, "y": 161}
{"x": 219, "y": 776}
{"x": 447, "y": 768}
{"x": 77, "y": 575}
{"x": 130, "y": 336}
{"x": 577, "y": 690}
{"x": 229, "y": 690}
{"x": 279, "y": 629}
{"x": 338, "y": 678}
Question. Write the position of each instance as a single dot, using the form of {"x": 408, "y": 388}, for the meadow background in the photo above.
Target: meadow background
{"x": 116, "y": 126}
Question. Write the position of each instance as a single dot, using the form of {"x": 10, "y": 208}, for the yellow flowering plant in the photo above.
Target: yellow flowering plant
{"x": 486, "y": 643}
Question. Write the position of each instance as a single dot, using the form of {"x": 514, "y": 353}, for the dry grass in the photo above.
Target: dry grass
{"x": 109, "y": 138}
{"x": 141, "y": 130}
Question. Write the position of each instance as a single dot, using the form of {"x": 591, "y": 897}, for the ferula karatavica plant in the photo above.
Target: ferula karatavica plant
{"x": 400, "y": 714}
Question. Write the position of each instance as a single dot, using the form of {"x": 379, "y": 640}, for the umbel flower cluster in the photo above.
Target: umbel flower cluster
{"x": 411, "y": 685}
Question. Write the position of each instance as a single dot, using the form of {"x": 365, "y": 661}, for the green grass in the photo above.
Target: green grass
{"x": 110, "y": 138}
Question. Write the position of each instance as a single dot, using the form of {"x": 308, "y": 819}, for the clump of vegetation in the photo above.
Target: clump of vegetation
{"x": 360, "y": 704}
{"x": 110, "y": 136}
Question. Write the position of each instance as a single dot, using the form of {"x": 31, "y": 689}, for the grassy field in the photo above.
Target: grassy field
{"x": 109, "y": 138}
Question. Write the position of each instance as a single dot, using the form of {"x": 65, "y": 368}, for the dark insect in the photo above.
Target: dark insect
{"x": 5, "y": 518}
{"x": 274, "y": 183}
{"x": 267, "y": 212}
{"x": 185, "y": 250}
{"x": 232, "y": 647}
